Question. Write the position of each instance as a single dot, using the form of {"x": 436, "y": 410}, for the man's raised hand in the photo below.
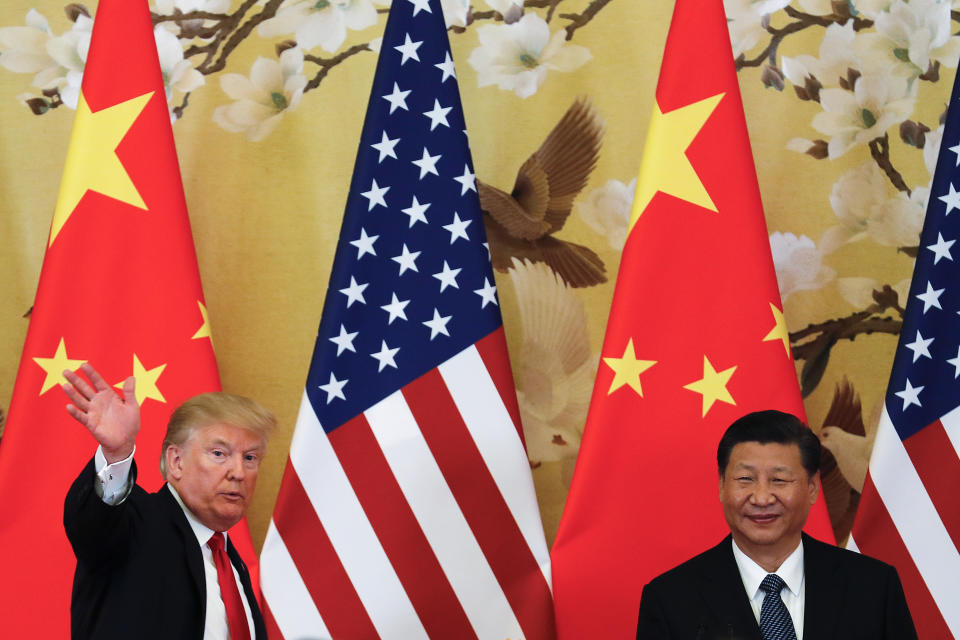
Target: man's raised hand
{"x": 112, "y": 419}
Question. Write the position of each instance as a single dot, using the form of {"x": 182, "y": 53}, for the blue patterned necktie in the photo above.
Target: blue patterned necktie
{"x": 775, "y": 620}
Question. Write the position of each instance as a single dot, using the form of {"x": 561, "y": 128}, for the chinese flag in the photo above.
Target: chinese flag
{"x": 696, "y": 338}
{"x": 119, "y": 288}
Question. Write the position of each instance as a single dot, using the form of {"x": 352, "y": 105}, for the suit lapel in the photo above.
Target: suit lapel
{"x": 722, "y": 591}
{"x": 241, "y": 567}
{"x": 823, "y": 589}
{"x": 188, "y": 539}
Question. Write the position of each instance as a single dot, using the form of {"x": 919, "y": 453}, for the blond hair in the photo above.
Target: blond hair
{"x": 208, "y": 409}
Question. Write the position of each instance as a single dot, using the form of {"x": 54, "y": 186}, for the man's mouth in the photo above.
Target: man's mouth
{"x": 763, "y": 518}
{"x": 232, "y": 496}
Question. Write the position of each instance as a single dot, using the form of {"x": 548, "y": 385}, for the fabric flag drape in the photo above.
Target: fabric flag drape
{"x": 120, "y": 288}
{"x": 696, "y": 338}
{"x": 407, "y": 509}
{"x": 909, "y": 512}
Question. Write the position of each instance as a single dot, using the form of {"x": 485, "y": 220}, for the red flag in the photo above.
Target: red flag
{"x": 696, "y": 338}
{"x": 119, "y": 288}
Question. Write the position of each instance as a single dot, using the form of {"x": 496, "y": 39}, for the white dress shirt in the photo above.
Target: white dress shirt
{"x": 113, "y": 486}
{"x": 791, "y": 572}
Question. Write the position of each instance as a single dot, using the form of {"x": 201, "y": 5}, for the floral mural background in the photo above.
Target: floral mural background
{"x": 844, "y": 102}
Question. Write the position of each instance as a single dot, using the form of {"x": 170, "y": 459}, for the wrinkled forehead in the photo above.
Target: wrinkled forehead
{"x": 225, "y": 434}
{"x": 766, "y": 456}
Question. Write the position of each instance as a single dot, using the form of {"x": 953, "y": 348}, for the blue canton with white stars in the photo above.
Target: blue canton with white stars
{"x": 925, "y": 381}
{"x": 411, "y": 283}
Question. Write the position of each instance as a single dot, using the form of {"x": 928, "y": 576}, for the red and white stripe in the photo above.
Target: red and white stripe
{"x": 909, "y": 516}
{"x": 416, "y": 519}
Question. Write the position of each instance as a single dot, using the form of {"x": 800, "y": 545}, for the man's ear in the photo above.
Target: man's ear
{"x": 174, "y": 457}
{"x": 814, "y": 486}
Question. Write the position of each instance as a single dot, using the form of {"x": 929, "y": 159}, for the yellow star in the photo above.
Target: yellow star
{"x": 665, "y": 166}
{"x": 55, "y": 367}
{"x": 146, "y": 381}
{"x": 713, "y": 385}
{"x": 779, "y": 331}
{"x": 92, "y": 162}
{"x": 627, "y": 369}
{"x": 204, "y": 330}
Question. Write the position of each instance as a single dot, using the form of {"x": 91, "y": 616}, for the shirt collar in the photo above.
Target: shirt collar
{"x": 200, "y": 530}
{"x": 752, "y": 574}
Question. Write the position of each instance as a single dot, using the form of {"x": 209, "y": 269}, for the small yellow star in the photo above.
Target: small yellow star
{"x": 627, "y": 369}
{"x": 665, "y": 166}
{"x": 713, "y": 385}
{"x": 55, "y": 367}
{"x": 146, "y": 381}
{"x": 779, "y": 331}
{"x": 92, "y": 162}
{"x": 204, "y": 330}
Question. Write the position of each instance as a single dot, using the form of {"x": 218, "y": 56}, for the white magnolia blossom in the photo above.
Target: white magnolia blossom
{"x": 516, "y": 57}
{"x": 864, "y": 208}
{"x": 321, "y": 22}
{"x": 858, "y": 292}
{"x": 745, "y": 21}
{"x": 931, "y": 149}
{"x": 870, "y": 9}
{"x": 455, "y": 12}
{"x": 798, "y": 263}
{"x": 70, "y": 51}
{"x": 273, "y": 88}
{"x": 607, "y": 210}
{"x": 178, "y": 73}
{"x": 503, "y": 6}
{"x": 168, "y": 7}
{"x": 910, "y": 36}
{"x": 878, "y": 102}
{"x": 836, "y": 55}
{"x": 24, "y": 50}
{"x": 556, "y": 369}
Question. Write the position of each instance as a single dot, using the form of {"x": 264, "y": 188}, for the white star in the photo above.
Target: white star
{"x": 397, "y": 98}
{"x": 447, "y": 67}
{"x": 468, "y": 181}
{"x": 457, "y": 228}
{"x": 364, "y": 244}
{"x": 386, "y": 147}
{"x": 354, "y": 292}
{"x": 920, "y": 347}
{"x": 931, "y": 298}
{"x": 427, "y": 164}
{"x": 344, "y": 341}
{"x": 396, "y": 309}
{"x": 438, "y": 115}
{"x": 447, "y": 277}
{"x": 910, "y": 395}
{"x": 956, "y": 150}
{"x": 416, "y": 211}
{"x": 407, "y": 260}
{"x": 952, "y": 200}
{"x": 956, "y": 364}
{"x": 942, "y": 248}
{"x": 420, "y": 4}
{"x": 385, "y": 356}
{"x": 334, "y": 388}
{"x": 408, "y": 49}
{"x": 488, "y": 293}
{"x": 438, "y": 324}
{"x": 375, "y": 195}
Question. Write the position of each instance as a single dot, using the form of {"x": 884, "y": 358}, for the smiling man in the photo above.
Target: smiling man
{"x": 768, "y": 580}
{"x": 159, "y": 565}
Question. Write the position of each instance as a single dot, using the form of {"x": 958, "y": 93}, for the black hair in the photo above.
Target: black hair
{"x": 767, "y": 427}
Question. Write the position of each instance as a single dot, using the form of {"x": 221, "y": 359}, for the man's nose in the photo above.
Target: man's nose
{"x": 235, "y": 468}
{"x": 762, "y": 495}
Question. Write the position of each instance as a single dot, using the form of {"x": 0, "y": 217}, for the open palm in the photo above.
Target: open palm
{"x": 112, "y": 419}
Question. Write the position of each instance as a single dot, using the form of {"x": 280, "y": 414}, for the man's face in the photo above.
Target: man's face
{"x": 766, "y": 495}
{"x": 215, "y": 473}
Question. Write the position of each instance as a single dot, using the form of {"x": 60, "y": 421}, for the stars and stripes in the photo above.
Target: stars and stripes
{"x": 407, "y": 508}
{"x": 909, "y": 514}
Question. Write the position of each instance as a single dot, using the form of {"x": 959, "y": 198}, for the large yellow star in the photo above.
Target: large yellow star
{"x": 146, "y": 381}
{"x": 92, "y": 162}
{"x": 627, "y": 369}
{"x": 713, "y": 385}
{"x": 204, "y": 330}
{"x": 55, "y": 367}
{"x": 779, "y": 331}
{"x": 665, "y": 166}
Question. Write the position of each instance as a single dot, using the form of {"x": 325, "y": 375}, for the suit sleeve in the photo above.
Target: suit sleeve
{"x": 898, "y": 623}
{"x": 652, "y": 623}
{"x": 99, "y": 533}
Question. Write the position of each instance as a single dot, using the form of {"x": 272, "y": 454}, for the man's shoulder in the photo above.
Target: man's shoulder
{"x": 852, "y": 562}
{"x": 702, "y": 564}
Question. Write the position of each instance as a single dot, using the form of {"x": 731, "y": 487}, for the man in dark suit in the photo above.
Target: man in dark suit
{"x": 156, "y": 565}
{"x": 768, "y": 580}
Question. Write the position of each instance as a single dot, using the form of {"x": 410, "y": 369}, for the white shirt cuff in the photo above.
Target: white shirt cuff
{"x": 112, "y": 481}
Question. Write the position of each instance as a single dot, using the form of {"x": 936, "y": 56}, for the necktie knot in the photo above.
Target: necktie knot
{"x": 216, "y": 542}
{"x": 772, "y": 584}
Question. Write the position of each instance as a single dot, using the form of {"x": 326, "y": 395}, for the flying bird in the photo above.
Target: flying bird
{"x": 521, "y": 224}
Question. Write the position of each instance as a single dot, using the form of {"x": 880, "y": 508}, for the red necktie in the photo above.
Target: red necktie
{"x": 236, "y": 617}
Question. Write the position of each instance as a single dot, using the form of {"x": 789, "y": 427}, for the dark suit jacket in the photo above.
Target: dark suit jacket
{"x": 848, "y": 596}
{"x": 139, "y": 567}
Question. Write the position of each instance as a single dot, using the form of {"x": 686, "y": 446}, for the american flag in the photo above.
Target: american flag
{"x": 407, "y": 507}
{"x": 909, "y": 514}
